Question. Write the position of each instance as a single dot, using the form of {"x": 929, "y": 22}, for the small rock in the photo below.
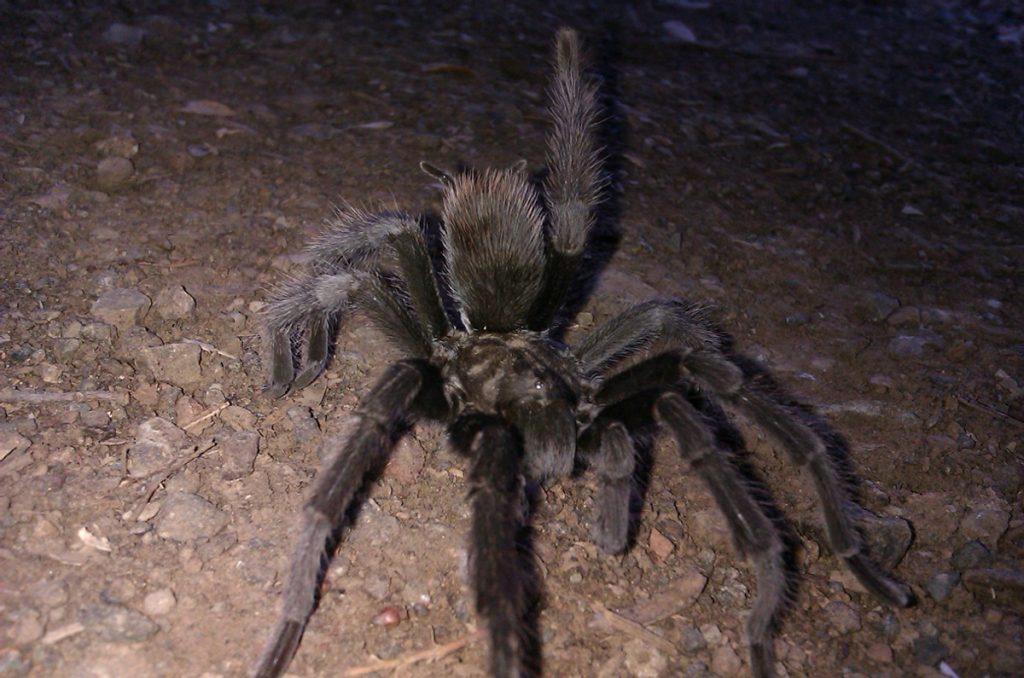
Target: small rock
{"x": 882, "y": 382}
{"x": 117, "y": 623}
{"x": 906, "y": 315}
{"x": 304, "y": 426}
{"x": 876, "y": 306}
{"x": 156, "y": 447}
{"x": 95, "y": 418}
{"x": 693, "y": 640}
{"x": 378, "y": 586}
{"x": 934, "y": 515}
{"x": 887, "y": 538}
{"x": 970, "y": 556}
{"x": 174, "y": 303}
{"x": 238, "y": 418}
{"x": 388, "y": 617}
{"x": 1001, "y": 587}
{"x": 159, "y": 603}
{"x": 986, "y": 520}
{"x": 12, "y": 441}
{"x": 119, "y": 145}
{"x": 880, "y": 652}
{"x": 174, "y": 363}
{"x": 49, "y": 593}
{"x": 98, "y": 332}
{"x": 712, "y": 634}
{"x": 844, "y": 618}
{"x": 64, "y": 349}
{"x": 911, "y": 345}
{"x": 113, "y": 174}
{"x": 659, "y": 544}
{"x": 642, "y": 660}
{"x": 929, "y": 650}
{"x": 188, "y": 517}
{"x": 238, "y": 453}
{"x": 27, "y": 626}
{"x": 725, "y": 661}
{"x": 120, "y": 307}
{"x": 677, "y": 31}
{"x": 124, "y": 35}
{"x": 942, "y": 584}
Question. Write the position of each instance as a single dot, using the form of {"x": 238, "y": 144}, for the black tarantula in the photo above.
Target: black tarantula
{"x": 521, "y": 406}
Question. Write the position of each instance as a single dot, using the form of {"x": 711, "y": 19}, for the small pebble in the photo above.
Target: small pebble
{"x": 725, "y": 661}
{"x": 972, "y": 554}
{"x": 186, "y": 517}
{"x": 986, "y": 520}
{"x": 157, "y": 444}
{"x": 238, "y": 452}
{"x": 119, "y": 307}
{"x": 159, "y": 603}
{"x": 113, "y": 174}
{"x": 174, "y": 303}
{"x": 173, "y": 363}
{"x": 388, "y": 617}
{"x": 942, "y": 584}
{"x": 844, "y": 618}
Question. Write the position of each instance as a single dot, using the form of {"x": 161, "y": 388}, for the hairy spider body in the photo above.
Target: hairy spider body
{"x": 520, "y": 405}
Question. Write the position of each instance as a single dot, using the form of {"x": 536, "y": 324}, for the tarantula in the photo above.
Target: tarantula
{"x": 521, "y": 406}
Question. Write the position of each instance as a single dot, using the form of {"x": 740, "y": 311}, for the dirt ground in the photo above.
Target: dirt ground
{"x": 839, "y": 180}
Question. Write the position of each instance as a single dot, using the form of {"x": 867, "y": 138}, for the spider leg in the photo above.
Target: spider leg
{"x": 637, "y": 328}
{"x": 353, "y": 246}
{"x": 355, "y": 238}
{"x": 498, "y": 501}
{"x": 753, "y": 534}
{"x": 307, "y": 303}
{"x": 613, "y": 459}
{"x": 548, "y": 431}
{"x": 573, "y": 183}
{"x": 406, "y": 388}
{"x": 807, "y": 449}
{"x": 414, "y": 260}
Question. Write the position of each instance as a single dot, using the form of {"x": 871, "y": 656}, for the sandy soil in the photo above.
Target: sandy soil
{"x": 840, "y": 181}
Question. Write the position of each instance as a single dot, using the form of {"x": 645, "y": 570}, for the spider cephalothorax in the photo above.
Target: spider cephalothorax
{"x": 520, "y": 405}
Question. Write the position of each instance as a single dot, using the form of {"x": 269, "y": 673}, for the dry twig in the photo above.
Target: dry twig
{"x": 157, "y": 478}
{"x": 431, "y": 654}
{"x": 988, "y": 409}
{"x": 208, "y": 414}
{"x": 12, "y": 395}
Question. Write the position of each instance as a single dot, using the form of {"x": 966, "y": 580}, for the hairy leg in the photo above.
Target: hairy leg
{"x": 613, "y": 458}
{"x": 342, "y": 259}
{"x": 499, "y": 512}
{"x": 304, "y": 305}
{"x": 682, "y": 326}
{"x": 406, "y": 388}
{"x": 808, "y": 450}
{"x": 753, "y": 534}
{"x": 573, "y": 183}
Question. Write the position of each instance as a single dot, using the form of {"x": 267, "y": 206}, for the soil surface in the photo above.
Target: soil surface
{"x": 839, "y": 181}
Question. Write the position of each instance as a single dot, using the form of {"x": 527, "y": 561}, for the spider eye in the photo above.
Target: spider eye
{"x": 538, "y": 384}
